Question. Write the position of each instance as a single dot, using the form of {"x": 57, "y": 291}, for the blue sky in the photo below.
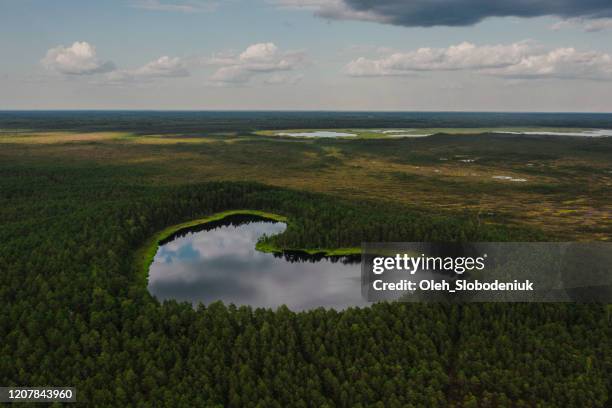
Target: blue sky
{"x": 542, "y": 55}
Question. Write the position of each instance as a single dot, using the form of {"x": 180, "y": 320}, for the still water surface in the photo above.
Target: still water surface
{"x": 218, "y": 261}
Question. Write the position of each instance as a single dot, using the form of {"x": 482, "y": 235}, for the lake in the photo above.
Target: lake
{"x": 317, "y": 133}
{"x": 218, "y": 261}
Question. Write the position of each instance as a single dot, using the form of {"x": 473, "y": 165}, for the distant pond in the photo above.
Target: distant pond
{"x": 218, "y": 261}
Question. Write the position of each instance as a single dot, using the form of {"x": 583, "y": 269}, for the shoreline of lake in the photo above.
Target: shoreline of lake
{"x": 146, "y": 253}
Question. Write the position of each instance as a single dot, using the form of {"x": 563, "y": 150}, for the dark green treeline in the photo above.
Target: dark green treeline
{"x": 76, "y": 312}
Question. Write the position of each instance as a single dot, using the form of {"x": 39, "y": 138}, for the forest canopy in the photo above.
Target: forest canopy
{"x": 76, "y": 310}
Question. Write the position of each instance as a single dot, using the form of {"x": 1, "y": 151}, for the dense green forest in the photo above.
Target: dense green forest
{"x": 76, "y": 312}
{"x": 75, "y": 208}
{"x": 196, "y": 122}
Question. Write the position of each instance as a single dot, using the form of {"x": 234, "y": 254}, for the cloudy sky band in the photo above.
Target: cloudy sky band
{"x": 308, "y": 54}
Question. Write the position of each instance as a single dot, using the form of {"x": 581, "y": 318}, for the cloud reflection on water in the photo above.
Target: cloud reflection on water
{"x": 222, "y": 264}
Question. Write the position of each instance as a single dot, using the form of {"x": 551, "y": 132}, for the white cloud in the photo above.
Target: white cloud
{"x": 518, "y": 60}
{"x": 81, "y": 59}
{"x": 257, "y": 59}
{"x": 455, "y": 57}
{"x": 163, "y": 67}
{"x": 183, "y": 6}
{"x": 588, "y": 25}
{"x": 564, "y": 63}
{"x": 259, "y": 52}
{"x": 261, "y": 60}
{"x": 78, "y": 59}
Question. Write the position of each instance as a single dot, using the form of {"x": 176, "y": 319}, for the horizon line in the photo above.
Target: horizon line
{"x": 306, "y": 111}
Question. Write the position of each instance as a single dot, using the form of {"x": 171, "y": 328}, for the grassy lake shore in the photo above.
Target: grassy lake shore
{"x": 146, "y": 254}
